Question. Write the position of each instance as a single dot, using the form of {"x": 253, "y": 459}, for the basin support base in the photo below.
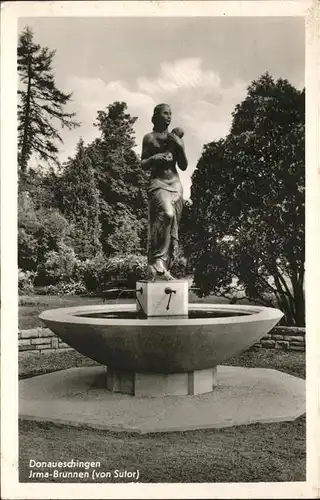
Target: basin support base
{"x": 162, "y": 384}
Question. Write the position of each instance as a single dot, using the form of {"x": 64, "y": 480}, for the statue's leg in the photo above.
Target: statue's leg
{"x": 161, "y": 215}
{"x": 178, "y": 206}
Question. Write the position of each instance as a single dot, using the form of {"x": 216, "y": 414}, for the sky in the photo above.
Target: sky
{"x": 200, "y": 66}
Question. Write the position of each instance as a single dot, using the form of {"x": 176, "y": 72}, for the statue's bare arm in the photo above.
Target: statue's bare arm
{"x": 180, "y": 151}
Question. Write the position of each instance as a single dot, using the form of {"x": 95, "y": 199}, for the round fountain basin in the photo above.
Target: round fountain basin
{"x": 115, "y": 336}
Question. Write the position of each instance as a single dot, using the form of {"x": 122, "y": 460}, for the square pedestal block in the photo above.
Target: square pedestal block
{"x": 160, "y": 384}
{"x": 156, "y": 300}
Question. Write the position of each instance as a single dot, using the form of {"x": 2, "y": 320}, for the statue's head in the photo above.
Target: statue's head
{"x": 161, "y": 117}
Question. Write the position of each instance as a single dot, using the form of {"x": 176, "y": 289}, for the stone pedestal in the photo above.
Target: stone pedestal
{"x": 163, "y": 298}
{"x": 159, "y": 384}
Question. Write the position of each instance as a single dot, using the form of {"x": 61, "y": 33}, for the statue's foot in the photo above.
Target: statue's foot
{"x": 168, "y": 276}
{"x": 157, "y": 271}
{"x": 152, "y": 273}
{"x": 165, "y": 276}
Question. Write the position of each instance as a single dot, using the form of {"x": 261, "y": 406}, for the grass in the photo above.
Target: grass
{"x": 286, "y": 361}
{"x": 31, "y": 306}
{"x": 260, "y": 452}
{"x": 253, "y": 453}
{"x": 291, "y": 362}
{"x": 38, "y": 364}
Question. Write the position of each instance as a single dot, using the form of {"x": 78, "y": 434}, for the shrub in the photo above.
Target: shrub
{"x": 28, "y": 250}
{"x": 70, "y": 288}
{"x": 180, "y": 268}
{"x": 129, "y": 268}
{"x": 26, "y": 281}
{"x": 63, "y": 273}
{"x": 40, "y": 231}
{"x": 92, "y": 272}
{"x": 98, "y": 272}
{"x": 126, "y": 269}
{"x": 58, "y": 266}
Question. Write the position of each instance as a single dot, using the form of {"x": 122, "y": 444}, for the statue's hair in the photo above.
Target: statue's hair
{"x": 157, "y": 110}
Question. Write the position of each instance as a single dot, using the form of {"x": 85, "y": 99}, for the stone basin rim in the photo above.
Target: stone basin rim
{"x": 68, "y": 315}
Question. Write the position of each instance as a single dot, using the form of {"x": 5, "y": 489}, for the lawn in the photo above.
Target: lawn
{"x": 252, "y": 453}
{"x": 32, "y": 305}
{"x": 287, "y": 361}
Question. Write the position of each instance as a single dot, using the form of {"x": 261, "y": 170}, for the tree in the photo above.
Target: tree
{"x": 40, "y": 186}
{"x": 125, "y": 237}
{"x": 41, "y": 106}
{"x": 40, "y": 230}
{"x": 27, "y": 233}
{"x": 248, "y": 202}
{"x": 80, "y": 203}
{"x": 121, "y": 181}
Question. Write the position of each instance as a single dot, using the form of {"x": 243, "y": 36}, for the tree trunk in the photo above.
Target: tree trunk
{"x": 24, "y": 150}
{"x": 299, "y": 299}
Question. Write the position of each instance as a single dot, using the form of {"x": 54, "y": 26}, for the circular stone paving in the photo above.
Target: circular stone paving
{"x": 78, "y": 396}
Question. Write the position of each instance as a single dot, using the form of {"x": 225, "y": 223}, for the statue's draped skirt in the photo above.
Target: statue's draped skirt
{"x": 165, "y": 209}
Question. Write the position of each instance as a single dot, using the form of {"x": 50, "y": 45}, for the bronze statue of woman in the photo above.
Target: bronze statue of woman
{"x": 161, "y": 152}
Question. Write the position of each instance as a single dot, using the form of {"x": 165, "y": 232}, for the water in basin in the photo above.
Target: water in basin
{"x": 192, "y": 314}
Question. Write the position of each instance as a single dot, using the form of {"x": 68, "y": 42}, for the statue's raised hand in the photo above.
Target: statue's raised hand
{"x": 174, "y": 138}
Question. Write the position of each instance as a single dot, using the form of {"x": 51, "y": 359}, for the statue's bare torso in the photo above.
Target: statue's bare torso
{"x": 159, "y": 142}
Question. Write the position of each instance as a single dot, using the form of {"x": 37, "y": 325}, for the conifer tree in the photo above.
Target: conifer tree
{"x": 121, "y": 181}
{"x": 80, "y": 203}
{"x": 41, "y": 104}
